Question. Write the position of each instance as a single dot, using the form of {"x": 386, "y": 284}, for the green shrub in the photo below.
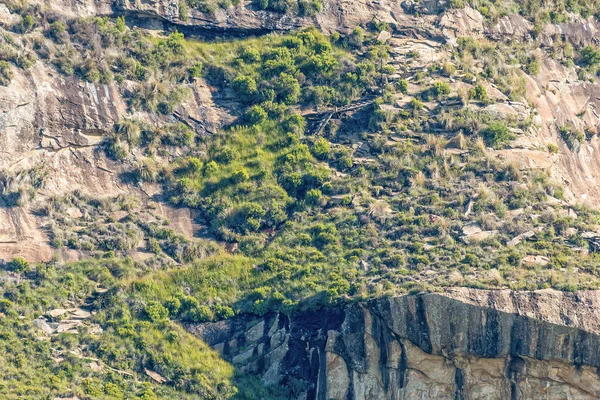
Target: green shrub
{"x": 129, "y": 130}
{"x": 313, "y": 196}
{"x": 195, "y": 71}
{"x": 57, "y": 31}
{"x": 441, "y": 89}
{"x": 240, "y": 175}
{"x": 223, "y": 312}
{"x": 27, "y": 23}
{"x": 321, "y": 148}
{"x": 201, "y": 314}
{"x": 18, "y": 264}
{"x": 448, "y": 69}
{"x": 245, "y": 86}
{"x": 255, "y": 115}
{"x": 156, "y": 312}
{"x": 572, "y": 136}
{"x": 6, "y": 74}
{"x": 496, "y": 134}
{"x": 287, "y": 88}
{"x": 415, "y": 104}
{"x": 309, "y": 7}
{"x": 479, "y": 92}
{"x": 590, "y": 56}
{"x": 552, "y": 148}
{"x": 402, "y": 86}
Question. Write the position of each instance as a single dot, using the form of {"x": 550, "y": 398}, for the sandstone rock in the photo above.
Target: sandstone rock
{"x": 570, "y": 232}
{"x": 42, "y": 324}
{"x": 6, "y": 18}
{"x": 94, "y": 366}
{"x": 461, "y": 22}
{"x": 68, "y": 327}
{"x": 518, "y": 239}
{"x": 532, "y": 261}
{"x": 384, "y": 36}
{"x": 471, "y": 229}
{"x": 473, "y": 233}
{"x": 590, "y": 235}
{"x": 511, "y": 27}
{"x": 482, "y": 344}
{"x": 80, "y": 314}
{"x": 156, "y": 377}
{"x": 57, "y": 312}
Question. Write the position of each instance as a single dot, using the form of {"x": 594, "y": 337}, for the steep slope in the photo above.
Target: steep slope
{"x": 305, "y": 186}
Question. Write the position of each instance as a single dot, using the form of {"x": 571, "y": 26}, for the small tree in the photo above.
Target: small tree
{"x": 321, "y": 149}
{"x": 590, "y": 56}
{"x": 287, "y": 89}
{"x": 156, "y": 312}
{"x": 245, "y": 86}
{"x": 18, "y": 264}
{"x": 255, "y": 115}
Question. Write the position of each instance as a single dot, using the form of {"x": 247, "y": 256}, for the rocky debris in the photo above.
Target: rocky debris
{"x": 519, "y": 238}
{"x": 42, "y": 325}
{"x": 6, "y": 18}
{"x": 510, "y": 27}
{"x": 473, "y": 233}
{"x": 463, "y": 22}
{"x": 384, "y": 36}
{"x": 61, "y": 320}
{"x": 402, "y": 50}
{"x": 532, "y": 261}
{"x": 482, "y": 344}
{"x": 95, "y": 366}
{"x": 56, "y": 313}
{"x": 156, "y": 377}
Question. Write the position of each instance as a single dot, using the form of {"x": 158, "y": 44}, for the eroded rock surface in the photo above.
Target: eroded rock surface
{"x": 55, "y": 125}
{"x": 462, "y": 344}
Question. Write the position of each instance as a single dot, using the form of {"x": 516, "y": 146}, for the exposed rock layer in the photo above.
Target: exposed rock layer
{"x": 463, "y": 344}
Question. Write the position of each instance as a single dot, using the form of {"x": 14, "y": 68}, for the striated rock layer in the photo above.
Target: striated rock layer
{"x": 462, "y": 344}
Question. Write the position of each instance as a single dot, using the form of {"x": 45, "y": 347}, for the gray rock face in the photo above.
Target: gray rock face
{"x": 463, "y": 344}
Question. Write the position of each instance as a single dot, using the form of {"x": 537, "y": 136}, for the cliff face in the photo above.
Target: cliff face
{"x": 463, "y": 344}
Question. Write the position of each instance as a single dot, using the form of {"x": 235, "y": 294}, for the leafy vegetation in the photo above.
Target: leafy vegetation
{"x": 381, "y": 200}
{"x": 63, "y": 364}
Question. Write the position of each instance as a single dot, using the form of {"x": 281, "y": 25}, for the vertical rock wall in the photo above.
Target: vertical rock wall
{"x": 461, "y": 345}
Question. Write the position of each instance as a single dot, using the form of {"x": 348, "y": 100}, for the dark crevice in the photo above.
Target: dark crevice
{"x": 205, "y": 32}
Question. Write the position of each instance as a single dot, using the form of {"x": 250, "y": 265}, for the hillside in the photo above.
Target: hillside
{"x": 175, "y": 174}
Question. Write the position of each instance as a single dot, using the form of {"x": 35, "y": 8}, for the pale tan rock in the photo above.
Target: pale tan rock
{"x": 155, "y": 376}
{"x": 57, "y": 312}
{"x": 456, "y": 23}
{"x": 532, "y": 261}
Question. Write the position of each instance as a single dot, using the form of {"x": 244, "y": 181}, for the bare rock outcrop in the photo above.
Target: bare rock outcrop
{"x": 245, "y": 18}
{"x": 463, "y": 343}
{"x": 55, "y": 125}
{"x": 461, "y": 22}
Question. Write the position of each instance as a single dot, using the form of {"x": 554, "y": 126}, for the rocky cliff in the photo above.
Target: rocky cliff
{"x": 461, "y": 344}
